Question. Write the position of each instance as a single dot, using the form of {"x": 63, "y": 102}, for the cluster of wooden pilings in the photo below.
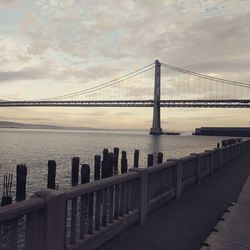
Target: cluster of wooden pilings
{"x": 228, "y": 142}
{"x": 105, "y": 166}
{"x": 21, "y": 174}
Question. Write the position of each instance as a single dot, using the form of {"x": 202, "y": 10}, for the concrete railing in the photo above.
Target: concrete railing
{"x": 86, "y": 216}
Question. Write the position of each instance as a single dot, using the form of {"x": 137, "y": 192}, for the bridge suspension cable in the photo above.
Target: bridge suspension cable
{"x": 216, "y": 79}
{"x": 180, "y": 84}
{"x": 103, "y": 85}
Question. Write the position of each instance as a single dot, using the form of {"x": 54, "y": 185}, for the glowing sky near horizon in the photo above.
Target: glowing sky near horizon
{"x": 55, "y": 47}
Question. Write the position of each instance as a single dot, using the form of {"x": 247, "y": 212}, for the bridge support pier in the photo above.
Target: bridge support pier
{"x": 156, "y": 125}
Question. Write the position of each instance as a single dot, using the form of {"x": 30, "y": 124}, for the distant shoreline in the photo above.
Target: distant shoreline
{"x": 15, "y": 125}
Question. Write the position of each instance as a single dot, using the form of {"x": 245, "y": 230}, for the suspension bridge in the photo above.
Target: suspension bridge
{"x": 173, "y": 87}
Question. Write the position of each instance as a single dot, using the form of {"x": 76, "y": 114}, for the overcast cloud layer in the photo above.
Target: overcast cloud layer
{"x": 54, "y": 47}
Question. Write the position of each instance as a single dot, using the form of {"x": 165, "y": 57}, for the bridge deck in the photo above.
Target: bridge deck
{"x": 185, "y": 223}
{"x": 231, "y": 103}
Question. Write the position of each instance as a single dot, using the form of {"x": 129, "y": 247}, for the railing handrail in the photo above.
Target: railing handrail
{"x": 17, "y": 209}
{"x": 157, "y": 167}
{"x": 99, "y": 184}
{"x": 205, "y": 153}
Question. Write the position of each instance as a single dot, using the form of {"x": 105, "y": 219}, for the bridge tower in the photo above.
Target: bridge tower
{"x": 156, "y": 125}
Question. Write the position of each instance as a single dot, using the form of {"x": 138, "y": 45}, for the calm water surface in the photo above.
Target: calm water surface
{"x": 36, "y": 147}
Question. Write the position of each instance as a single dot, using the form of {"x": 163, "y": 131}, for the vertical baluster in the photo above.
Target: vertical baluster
{"x": 73, "y": 221}
{"x": 34, "y": 233}
{"x": 66, "y": 220}
{"x": 117, "y": 198}
{"x": 1, "y": 235}
{"x": 150, "y": 186}
{"x": 13, "y": 235}
{"x": 90, "y": 213}
{"x": 98, "y": 210}
{"x": 83, "y": 214}
{"x": 111, "y": 204}
{"x": 137, "y": 193}
{"x": 104, "y": 207}
{"x": 122, "y": 201}
{"x": 127, "y": 198}
{"x": 132, "y": 195}
{"x": 138, "y": 184}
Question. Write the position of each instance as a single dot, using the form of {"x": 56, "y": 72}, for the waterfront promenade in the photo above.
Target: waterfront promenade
{"x": 186, "y": 222}
{"x": 169, "y": 205}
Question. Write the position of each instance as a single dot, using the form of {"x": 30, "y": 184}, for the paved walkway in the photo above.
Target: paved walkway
{"x": 185, "y": 223}
{"x": 233, "y": 233}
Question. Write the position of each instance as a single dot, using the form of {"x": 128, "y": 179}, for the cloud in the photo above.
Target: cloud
{"x": 216, "y": 39}
{"x": 77, "y": 44}
{"x": 35, "y": 30}
{"x": 25, "y": 74}
{"x": 10, "y": 3}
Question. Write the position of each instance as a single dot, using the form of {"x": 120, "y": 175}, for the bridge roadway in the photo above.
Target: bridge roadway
{"x": 183, "y": 224}
{"x": 232, "y": 103}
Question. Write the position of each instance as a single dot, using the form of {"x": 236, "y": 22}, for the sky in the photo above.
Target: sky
{"x": 54, "y": 47}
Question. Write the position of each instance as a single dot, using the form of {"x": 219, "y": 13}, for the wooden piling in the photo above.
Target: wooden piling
{"x": 116, "y": 159}
{"x": 97, "y": 167}
{"x": 150, "y": 160}
{"x": 136, "y": 159}
{"x": 21, "y": 174}
{"x": 105, "y": 154}
{"x": 224, "y": 143}
{"x": 160, "y": 157}
{"x": 75, "y": 171}
{"x": 124, "y": 162}
{"x": 104, "y": 163}
{"x": 218, "y": 145}
{"x": 110, "y": 164}
{"x": 51, "y": 182}
{"x": 85, "y": 173}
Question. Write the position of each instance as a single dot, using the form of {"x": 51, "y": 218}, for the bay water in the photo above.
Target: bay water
{"x": 35, "y": 147}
